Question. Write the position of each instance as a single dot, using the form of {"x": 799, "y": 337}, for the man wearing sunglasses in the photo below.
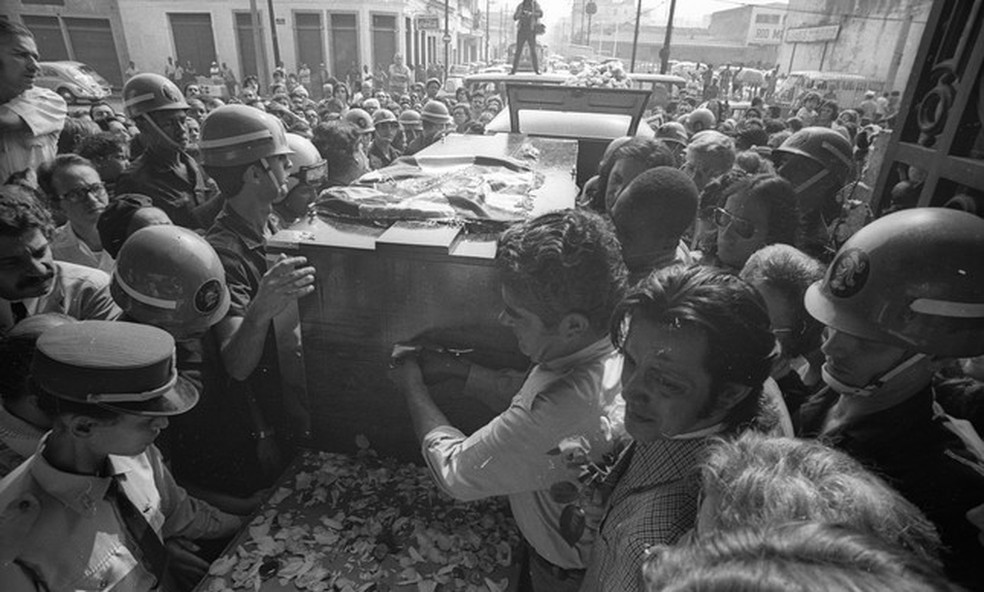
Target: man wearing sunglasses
{"x": 74, "y": 189}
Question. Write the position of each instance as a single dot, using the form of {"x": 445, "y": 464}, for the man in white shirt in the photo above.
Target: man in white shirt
{"x": 30, "y": 118}
{"x": 561, "y": 274}
{"x": 74, "y": 188}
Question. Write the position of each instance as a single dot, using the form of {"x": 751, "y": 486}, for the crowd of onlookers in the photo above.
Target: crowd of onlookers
{"x": 739, "y": 380}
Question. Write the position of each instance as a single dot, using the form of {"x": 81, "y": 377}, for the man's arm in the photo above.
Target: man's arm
{"x": 39, "y": 110}
{"x": 241, "y": 338}
{"x": 424, "y": 414}
{"x": 509, "y": 454}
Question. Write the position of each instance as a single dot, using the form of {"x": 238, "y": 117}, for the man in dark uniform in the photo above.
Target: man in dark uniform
{"x": 903, "y": 297}
{"x": 165, "y": 172}
{"x": 434, "y": 119}
{"x": 381, "y": 151}
{"x": 246, "y": 151}
{"x": 527, "y": 14}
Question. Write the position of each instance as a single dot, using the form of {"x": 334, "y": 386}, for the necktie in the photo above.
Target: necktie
{"x": 154, "y": 553}
{"x": 19, "y": 310}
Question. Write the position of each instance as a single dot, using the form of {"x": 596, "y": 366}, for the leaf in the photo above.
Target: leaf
{"x": 572, "y": 524}
{"x": 362, "y": 442}
{"x": 554, "y": 451}
{"x": 563, "y": 492}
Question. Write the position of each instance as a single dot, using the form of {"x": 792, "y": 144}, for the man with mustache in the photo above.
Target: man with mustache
{"x": 31, "y": 281}
{"x": 30, "y": 117}
{"x": 165, "y": 172}
{"x": 74, "y": 188}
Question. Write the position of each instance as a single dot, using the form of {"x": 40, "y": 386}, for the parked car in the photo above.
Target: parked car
{"x": 74, "y": 81}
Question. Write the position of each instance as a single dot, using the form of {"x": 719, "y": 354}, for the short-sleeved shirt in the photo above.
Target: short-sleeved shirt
{"x": 577, "y": 395}
{"x": 62, "y": 531}
{"x": 192, "y": 203}
{"x": 243, "y": 255}
{"x": 77, "y": 291}
{"x": 44, "y": 113}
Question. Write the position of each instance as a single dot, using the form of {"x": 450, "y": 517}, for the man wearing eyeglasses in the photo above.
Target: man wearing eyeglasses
{"x": 30, "y": 117}
{"x": 74, "y": 189}
{"x": 31, "y": 281}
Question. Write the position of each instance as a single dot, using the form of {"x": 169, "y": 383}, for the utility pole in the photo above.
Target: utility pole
{"x": 664, "y": 54}
{"x": 273, "y": 33}
{"x": 488, "y": 20}
{"x": 635, "y": 37}
{"x": 259, "y": 48}
{"x": 447, "y": 38}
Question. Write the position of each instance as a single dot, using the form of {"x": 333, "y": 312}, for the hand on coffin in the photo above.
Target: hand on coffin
{"x": 283, "y": 283}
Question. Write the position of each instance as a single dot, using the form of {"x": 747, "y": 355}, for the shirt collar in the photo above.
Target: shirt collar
{"x": 546, "y": 372}
{"x": 81, "y": 493}
{"x": 235, "y": 223}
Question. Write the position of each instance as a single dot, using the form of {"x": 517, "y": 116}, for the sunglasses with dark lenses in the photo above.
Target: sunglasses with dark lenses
{"x": 81, "y": 193}
{"x": 742, "y": 227}
{"x": 313, "y": 175}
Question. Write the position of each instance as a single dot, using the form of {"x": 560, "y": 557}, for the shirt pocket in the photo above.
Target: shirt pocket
{"x": 107, "y": 570}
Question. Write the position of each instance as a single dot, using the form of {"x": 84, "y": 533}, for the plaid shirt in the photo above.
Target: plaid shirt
{"x": 654, "y": 502}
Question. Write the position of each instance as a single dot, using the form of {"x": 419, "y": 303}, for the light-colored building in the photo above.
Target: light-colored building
{"x": 751, "y": 25}
{"x": 107, "y": 34}
{"x": 872, "y": 38}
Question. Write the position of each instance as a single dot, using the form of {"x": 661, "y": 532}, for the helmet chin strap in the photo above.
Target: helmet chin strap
{"x": 281, "y": 187}
{"x": 810, "y": 182}
{"x": 875, "y": 385}
{"x": 157, "y": 129}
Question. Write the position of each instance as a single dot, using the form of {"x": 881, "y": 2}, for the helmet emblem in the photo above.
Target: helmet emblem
{"x": 208, "y": 296}
{"x": 170, "y": 92}
{"x": 849, "y": 273}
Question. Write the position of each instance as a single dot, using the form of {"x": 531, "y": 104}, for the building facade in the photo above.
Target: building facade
{"x": 107, "y": 34}
{"x": 877, "y": 39}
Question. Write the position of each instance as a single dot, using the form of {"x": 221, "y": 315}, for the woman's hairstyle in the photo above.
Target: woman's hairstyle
{"x": 790, "y": 272}
{"x": 789, "y": 557}
{"x": 761, "y": 481}
{"x": 779, "y": 198}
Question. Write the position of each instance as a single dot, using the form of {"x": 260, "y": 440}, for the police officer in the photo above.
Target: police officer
{"x": 171, "y": 278}
{"x": 165, "y": 172}
{"x": 818, "y": 162}
{"x": 381, "y": 151}
{"x": 410, "y": 128}
{"x": 904, "y": 296}
{"x": 434, "y": 120}
{"x": 307, "y": 174}
{"x": 246, "y": 152}
{"x": 94, "y": 506}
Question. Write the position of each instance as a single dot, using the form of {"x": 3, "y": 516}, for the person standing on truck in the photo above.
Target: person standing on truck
{"x": 527, "y": 14}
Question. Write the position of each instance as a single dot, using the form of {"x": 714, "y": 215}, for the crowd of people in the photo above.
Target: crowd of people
{"x": 735, "y": 382}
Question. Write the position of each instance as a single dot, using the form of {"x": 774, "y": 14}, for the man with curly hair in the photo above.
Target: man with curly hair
{"x": 31, "y": 281}
{"x": 562, "y": 275}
